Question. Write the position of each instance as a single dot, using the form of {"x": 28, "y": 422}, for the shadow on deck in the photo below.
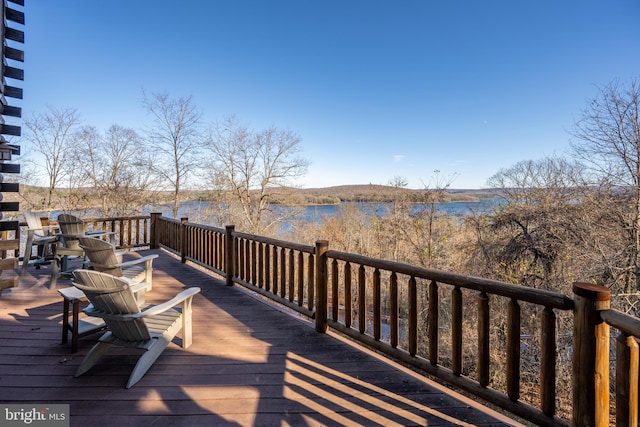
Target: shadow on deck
{"x": 250, "y": 364}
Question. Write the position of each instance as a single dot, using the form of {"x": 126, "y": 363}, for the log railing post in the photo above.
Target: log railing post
{"x": 183, "y": 240}
{"x": 155, "y": 232}
{"x": 322, "y": 286}
{"x": 590, "y": 356}
{"x": 229, "y": 254}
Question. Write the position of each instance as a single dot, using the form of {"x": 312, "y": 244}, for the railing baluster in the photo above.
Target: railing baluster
{"x": 483, "y": 339}
{"x": 456, "y": 330}
{"x": 413, "y": 316}
{"x": 145, "y": 225}
{"x": 300, "y": 279}
{"x": 432, "y": 322}
{"x": 208, "y": 248}
{"x": 235, "y": 254}
{"x": 267, "y": 267}
{"x": 292, "y": 276}
{"x": 513, "y": 350}
{"x": 626, "y": 380}
{"x": 548, "y": 363}
{"x": 393, "y": 309}
{"x": 335, "y": 300}
{"x": 362, "y": 293}
{"x": 274, "y": 270}
{"x": 247, "y": 257}
{"x": 126, "y": 226}
{"x": 241, "y": 272}
{"x": 283, "y": 272}
{"x": 260, "y": 265}
{"x": 254, "y": 262}
{"x": 347, "y": 294}
{"x": 205, "y": 252}
{"x": 311, "y": 280}
{"x": 376, "y": 305}
{"x": 217, "y": 250}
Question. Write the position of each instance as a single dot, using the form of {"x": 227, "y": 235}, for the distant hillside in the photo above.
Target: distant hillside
{"x": 370, "y": 193}
{"x": 286, "y": 196}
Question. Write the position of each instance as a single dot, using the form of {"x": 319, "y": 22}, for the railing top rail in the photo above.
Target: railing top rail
{"x": 204, "y": 227}
{"x": 173, "y": 220}
{"x": 628, "y": 324}
{"x": 275, "y": 242}
{"x": 521, "y": 293}
{"x": 116, "y": 218}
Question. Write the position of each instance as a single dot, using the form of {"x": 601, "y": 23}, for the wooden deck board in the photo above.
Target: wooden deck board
{"x": 250, "y": 365}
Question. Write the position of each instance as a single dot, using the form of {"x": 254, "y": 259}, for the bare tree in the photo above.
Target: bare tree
{"x": 249, "y": 168}
{"x": 542, "y": 223}
{"x": 52, "y": 137}
{"x": 175, "y": 137}
{"x": 607, "y": 140}
{"x": 117, "y": 169}
{"x": 416, "y": 229}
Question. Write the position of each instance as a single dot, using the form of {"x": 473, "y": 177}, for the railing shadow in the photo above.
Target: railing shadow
{"x": 318, "y": 378}
{"x": 250, "y": 364}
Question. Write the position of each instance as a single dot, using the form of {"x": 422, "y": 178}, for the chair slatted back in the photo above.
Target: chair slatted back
{"x": 71, "y": 226}
{"x": 33, "y": 222}
{"x": 101, "y": 254}
{"x": 113, "y": 296}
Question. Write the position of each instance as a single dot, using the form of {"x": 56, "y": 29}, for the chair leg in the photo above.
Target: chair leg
{"x": 27, "y": 255}
{"x": 92, "y": 357}
{"x": 148, "y": 273}
{"x": 146, "y": 361}
{"x": 55, "y": 272}
{"x": 186, "y": 323}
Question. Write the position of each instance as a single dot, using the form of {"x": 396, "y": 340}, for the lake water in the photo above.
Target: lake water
{"x": 313, "y": 213}
{"x": 200, "y": 212}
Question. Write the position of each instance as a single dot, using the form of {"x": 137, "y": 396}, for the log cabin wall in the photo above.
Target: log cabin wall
{"x": 10, "y": 72}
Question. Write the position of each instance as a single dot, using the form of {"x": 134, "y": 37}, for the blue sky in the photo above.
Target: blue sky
{"x": 375, "y": 89}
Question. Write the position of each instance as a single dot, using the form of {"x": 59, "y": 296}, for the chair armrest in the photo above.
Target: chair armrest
{"x": 94, "y": 233}
{"x": 42, "y": 236}
{"x": 151, "y": 311}
{"x": 161, "y": 308}
{"x": 147, "y": 258}
{"x": 135, "y": 261}
{"x": 69, "y": 236}
{"x": 45, "y": 229}
{"x": 137, "y": 287}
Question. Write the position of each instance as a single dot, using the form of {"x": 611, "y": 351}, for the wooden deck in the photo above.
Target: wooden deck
{"x": 250, "y": 364}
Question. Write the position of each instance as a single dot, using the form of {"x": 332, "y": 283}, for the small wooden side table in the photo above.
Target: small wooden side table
{"x": 79, "y": 327}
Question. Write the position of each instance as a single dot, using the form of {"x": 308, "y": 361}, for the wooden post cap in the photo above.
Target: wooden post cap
{"x": 592, "y": 291}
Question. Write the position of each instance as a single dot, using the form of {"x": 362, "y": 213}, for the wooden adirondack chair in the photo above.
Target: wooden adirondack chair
{"x": 103, "y": 257}
{"x": 150, "y": 329}
{"x": 37, "y": 235}
{"x": 71, "y": 229}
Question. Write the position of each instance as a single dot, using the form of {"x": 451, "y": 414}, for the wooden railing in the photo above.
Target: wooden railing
{"x": 420, "y": 317}
{"x": 592, "y": 366}
{"x": 280, "y": 270}
{"x": 357, "y": 283}
{"x": 401, "y": 310}
{"x": 204, "y": 246}
{"x": 131, "y": 232}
